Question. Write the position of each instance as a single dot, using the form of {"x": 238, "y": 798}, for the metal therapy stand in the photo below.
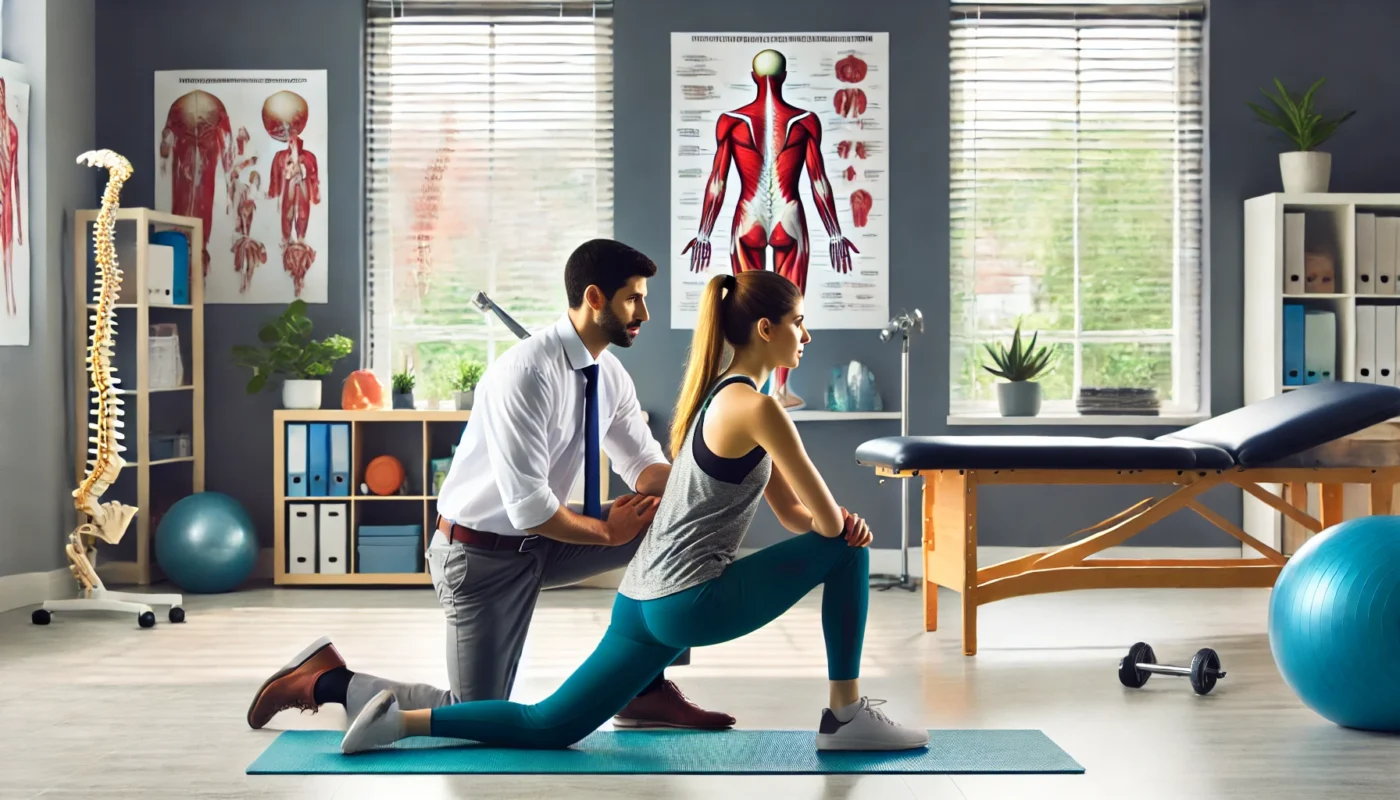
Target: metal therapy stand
{"x": 485, "y": 303}
{"x": 902, "y": 325}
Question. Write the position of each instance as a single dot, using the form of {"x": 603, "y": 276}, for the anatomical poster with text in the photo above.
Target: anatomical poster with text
{"x": 780, "y": 161}
{"x": 245, "y": 151}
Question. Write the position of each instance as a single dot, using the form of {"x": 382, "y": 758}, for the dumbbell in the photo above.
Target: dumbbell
{"x": 1140, "y": 662}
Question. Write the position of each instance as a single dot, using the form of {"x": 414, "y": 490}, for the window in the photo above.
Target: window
{"x": 489, "y": 150}
{"x": 1076, "y": 197}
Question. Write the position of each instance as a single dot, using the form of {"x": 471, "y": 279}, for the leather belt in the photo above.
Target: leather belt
{"x": 482, "y": 540}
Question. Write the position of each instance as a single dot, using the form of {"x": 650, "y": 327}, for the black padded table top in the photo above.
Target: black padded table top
{"x": 1037, "y": 452}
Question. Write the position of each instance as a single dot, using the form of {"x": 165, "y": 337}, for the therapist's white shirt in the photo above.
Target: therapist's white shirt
{"x": 522, "y": 450}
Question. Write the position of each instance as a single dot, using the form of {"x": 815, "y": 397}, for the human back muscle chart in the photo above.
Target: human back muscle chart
{"x": 780, "y": 161}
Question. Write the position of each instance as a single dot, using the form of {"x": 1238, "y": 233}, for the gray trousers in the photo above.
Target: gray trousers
{"x": 489, "y": 598}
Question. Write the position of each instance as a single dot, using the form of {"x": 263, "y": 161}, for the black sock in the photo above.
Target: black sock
{"x": 655, "y": 684}
{"x": 332, "y": 686}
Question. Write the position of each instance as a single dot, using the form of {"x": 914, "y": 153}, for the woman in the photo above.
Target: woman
{"x": 731, "y": 446}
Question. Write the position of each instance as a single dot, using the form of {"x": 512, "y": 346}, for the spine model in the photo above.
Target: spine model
{"x": 106, "y": 521}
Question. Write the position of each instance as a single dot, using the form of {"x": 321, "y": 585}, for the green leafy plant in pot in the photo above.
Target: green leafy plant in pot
{"x": 288, "y": 350}
{"x": 1303, "y": 169}
{"x": 464, "y": 383}
{"x": 1019, "y": 394}
{"x": 403, "y": 389}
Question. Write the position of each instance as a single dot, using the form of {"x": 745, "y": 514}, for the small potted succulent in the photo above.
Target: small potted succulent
{"x": 1303, "y": 169}
{"x": 288, "y": 350}
{"x": 403, "y": 389}
{"x": 464, "y": 383}
{"x": 1019, "y": 394}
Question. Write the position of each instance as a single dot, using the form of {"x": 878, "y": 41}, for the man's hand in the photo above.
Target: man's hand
{"x": 856, "y": 532}
{"x": 630, "y": 515}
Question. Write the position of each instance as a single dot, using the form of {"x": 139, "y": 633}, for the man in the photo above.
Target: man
{"x": 540, "y": 415}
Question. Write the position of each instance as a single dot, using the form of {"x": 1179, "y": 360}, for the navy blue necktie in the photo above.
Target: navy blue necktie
{"x": 592, "y": 503}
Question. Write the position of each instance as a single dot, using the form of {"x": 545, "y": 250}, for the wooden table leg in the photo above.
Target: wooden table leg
{"x": 1332, "y": 510}
{"x": 1381, "y": 494}
{"x": 1296, "y": 495}
{"x": 930, "y": 588}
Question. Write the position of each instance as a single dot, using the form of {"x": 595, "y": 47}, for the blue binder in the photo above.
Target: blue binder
{"x": 340, "y": 459}
{"x": 296, "y": 459}
{"x": 180, "y": 292}
{"x": 1294, "y": 344}
{"x": 318, "y": 458}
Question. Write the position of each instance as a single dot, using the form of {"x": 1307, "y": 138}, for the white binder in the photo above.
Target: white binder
{"x": 1365, "y": 254}
{"x": 1294, "y": 268}
{"x": 301, "y": 538}
{"x": 296, "y": 459}
{"x": 160, "y": 274}
{"x": 1387, "y": 234}
{"x": 1320, "y": 346}
{"x": 1385, "y": 345}
{"x": 333, "y": 536}
{"x": 1365, "y": 344}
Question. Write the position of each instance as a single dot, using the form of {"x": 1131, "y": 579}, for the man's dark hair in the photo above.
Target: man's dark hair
{"x": 604, "y": 263}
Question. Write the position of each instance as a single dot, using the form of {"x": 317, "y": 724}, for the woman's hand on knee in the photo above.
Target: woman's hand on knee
{"x": 855, "y": 531}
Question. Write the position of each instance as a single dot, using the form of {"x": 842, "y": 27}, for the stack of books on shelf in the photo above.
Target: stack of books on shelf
{"x": 1117, "y": 400}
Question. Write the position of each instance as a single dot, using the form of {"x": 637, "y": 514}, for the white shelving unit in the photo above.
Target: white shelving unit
{"x": 1331, "y": 228}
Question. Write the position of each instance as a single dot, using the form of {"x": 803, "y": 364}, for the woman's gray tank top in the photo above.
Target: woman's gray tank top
{"x": 704, "y": 514}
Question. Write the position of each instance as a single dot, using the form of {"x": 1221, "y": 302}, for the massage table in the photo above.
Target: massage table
{"x": 1293, "y": 439}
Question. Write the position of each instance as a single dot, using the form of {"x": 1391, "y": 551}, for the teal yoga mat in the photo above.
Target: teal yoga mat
{"x": 671, "y": 752}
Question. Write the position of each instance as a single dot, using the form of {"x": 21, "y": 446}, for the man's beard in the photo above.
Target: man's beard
{"x": 615, "y": 328}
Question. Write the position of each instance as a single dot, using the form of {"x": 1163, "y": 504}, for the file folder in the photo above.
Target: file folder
{"x": 301, "y": 538}
{"x": 340, "y": 459}
{"x": 1320, "y": 352}
{"x": 1365, "y": 344}
{"x": 1385, "y": 345}
{"x": 318, "y": 460}
{"x": 1365, "y": 254}
{"x": 1294, "y": 269}
{"x": 296, "y": 459}
{"x": 333, "y": 536}
{"x": 1293, "y": 344}
{"x": 1387, "y": 231}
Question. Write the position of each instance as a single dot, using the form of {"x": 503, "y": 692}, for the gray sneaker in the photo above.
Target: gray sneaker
{"x": 869, "y": 729}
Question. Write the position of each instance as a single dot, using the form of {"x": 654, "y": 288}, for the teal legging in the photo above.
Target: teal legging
{"x": 644, "y": 637}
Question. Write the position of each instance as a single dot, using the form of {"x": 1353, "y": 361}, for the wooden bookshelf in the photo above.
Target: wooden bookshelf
{"x": 147, "y": 410}
{"x": 416, "y": 438}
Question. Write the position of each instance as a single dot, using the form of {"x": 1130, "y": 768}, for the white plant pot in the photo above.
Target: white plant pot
{"x": 301, "y": 394}
{"x": 1305, "y": 171}
{"x": 464, "y": 400}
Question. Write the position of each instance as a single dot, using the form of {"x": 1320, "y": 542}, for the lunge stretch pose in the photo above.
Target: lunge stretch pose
{"x": 732, "y": 446}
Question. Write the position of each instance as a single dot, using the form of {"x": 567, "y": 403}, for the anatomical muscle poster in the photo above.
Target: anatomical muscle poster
{"x": 780, "y": 161}
{"x": 14, "y": 204}
{"x": 245, "y": 151}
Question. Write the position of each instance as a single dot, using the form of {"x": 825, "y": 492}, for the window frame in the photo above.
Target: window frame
{"x": 1180, "y": 336}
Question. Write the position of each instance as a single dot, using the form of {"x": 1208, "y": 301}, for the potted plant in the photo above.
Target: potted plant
{"x": 465, "y": 381}
{"x": 1303, "y": 169}
{"x": 403, "y": 389}
{"x": 288, "y": 350}
{"x": 1018, "y": 395}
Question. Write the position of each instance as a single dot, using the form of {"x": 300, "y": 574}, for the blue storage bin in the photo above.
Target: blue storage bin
{"x": 389, "y": 548}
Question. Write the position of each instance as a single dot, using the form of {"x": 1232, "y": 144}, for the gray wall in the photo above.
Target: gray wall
{"x": 141, "y": 37}
{"x": 1249, "y": 42}
{"x": 53, "y": 40}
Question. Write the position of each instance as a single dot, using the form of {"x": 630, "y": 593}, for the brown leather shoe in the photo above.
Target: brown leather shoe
{"x": 294, "y": 685}
{"x": 667, "y": 707}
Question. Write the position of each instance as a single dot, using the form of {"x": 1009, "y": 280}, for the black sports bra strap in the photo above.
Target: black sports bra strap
{"x": 724, "y": 383}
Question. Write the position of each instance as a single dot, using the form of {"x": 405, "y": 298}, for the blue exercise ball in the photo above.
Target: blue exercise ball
{"x": 206, "y": 543}
{"x": 1334, "y": 623}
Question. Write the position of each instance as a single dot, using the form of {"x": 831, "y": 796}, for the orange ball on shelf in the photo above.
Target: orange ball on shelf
{"x": 384, "y": 475}
{"x": 363, "y": 392}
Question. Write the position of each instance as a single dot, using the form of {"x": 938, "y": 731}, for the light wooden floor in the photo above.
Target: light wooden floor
{"x": 95, "y": 707}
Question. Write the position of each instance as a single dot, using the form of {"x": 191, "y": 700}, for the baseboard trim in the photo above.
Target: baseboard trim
{"x": 33, "y": 588}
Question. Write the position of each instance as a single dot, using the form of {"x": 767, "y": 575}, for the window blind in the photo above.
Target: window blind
{"x": 490, "y": 158}
{"x": 1076, "y": 196}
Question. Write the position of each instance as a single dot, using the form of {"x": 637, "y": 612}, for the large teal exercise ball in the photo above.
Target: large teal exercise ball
{"x": 1334, "y": 623}
{"x": 206, "y": 543}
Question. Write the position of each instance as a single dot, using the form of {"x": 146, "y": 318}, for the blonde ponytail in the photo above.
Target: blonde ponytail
{"x": 706, "y": 355}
